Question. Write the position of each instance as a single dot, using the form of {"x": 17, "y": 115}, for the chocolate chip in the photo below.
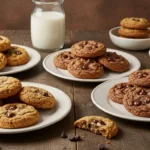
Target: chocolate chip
{"x": 147, "y": 100}
{"x": 65, "y": 56}
{"x": 18, "y": 52}
{"x": 46, "y": 94}
{"x": 137, "y": 103}
{"x": 74, "y": 138}
{"x": 11, "y": 107}
{"x": 142, "y": 92}
{"x": 110, "y": 59}
{"x": 63, "y": 135}
{"x": 142, "y": 74}
{"x": 101, "y": 146}
{"x": 10, "y": 115}
{"x": 102, "y": 122}
{"x": 1, "y": 38}
{"x": 84, "y": 67}
{"x": 89, "y": 125}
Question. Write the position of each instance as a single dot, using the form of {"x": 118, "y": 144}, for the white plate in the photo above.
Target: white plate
{"x": 49, "y": 116}
{"x": 35, "y": 58}
{"x": 109, "y": 75}
{"x": 100, "y": 98}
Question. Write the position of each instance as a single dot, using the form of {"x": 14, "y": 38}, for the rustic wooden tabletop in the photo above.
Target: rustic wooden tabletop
{"x": 132, "y": 135}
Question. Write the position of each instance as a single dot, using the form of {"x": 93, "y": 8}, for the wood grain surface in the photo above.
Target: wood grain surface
{"x": 132, "y": 135}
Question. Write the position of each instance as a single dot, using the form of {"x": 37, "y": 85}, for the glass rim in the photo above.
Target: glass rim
{"x": 47, "y": 2}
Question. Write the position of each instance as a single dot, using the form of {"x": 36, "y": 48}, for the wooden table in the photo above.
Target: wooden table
{"x": 132, "y": 135}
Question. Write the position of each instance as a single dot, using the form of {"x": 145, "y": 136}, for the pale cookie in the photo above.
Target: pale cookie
{"x": 5, "y": 43}
{"x": 9, "y": 86}
{"x": 18, "y": 115}
{"x": 37, "y": 97}
{"x": 98, "y": 125}
{"x": 17, "y": 56}
{"x": 3, "y": 61}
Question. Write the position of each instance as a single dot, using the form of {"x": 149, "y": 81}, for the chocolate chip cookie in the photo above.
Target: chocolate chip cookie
{"x": 63, "y": 59}
{"x": 5, "y": 43}
{"x": 85, "y": 68}
{"x": 9, "y": 86}
{"x": 37, "y": 97}
{"x": 114, "y": 62}
{"x": 137, "y": 101}
{"x": 3, "y": 61}
{"x": 117, "y": 92}
{"x": 88, "y": 49}
{"x": 135, "y": 23}
{"x": 16, "y": 56}
{"x": 98, "y": 125}
{"x": 18, "y": 115}
{"x": 140, "y": 78}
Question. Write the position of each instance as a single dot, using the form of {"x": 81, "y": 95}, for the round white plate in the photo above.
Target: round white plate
{"x": 35, "y": 58}
{"x": 100, "y": 98}
{"x": 109, "y": 75}
{"x": 49, "y": 116}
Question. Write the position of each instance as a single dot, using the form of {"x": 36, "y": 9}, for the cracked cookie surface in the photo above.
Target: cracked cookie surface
{"x": 5, "y": 43}
{"x": 37, "y": 97}
{"x": 3, "y": 61}
{"x": 98, "y": 125}
{"x": 18, "y": 115}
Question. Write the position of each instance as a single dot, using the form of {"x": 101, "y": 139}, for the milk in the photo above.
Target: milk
{"x": 48, "y": 30}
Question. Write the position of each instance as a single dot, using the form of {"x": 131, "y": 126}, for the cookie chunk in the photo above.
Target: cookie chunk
{"x": 98, "y": 125}
{"x": 133, "y": 33}
{"x": 37, "y": 97}
{"x": 135, "y": 23}
{"x": 114, "y": 62}
{"x": 9, "y": 86}
{"x": 85, "y": 68}
{"x": 117, "y": 92}
{"x": 88, "y": 49}
{"x": 140, "y": 78}
{"x": 137, "y": 101}
{"x": 3, "y": 61}
{"x": 16, "y": 56}
{"x": 5, "y": 43}
{"x": 63, "y": 59}
{"x": 18, "y": 115}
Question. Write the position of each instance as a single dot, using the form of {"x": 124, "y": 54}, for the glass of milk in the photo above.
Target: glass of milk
{"x": 48, "y": 25}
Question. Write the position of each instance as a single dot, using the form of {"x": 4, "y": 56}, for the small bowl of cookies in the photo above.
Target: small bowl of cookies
{"x": 133, "y": 34}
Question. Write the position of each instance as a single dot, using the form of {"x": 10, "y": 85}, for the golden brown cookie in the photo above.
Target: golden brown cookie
{"x": 133, "y": 33}
{"x": 16, "y": 56}
{"x": 5, "y": 43}
{"x": 18, "y": 115}
{"x": 63, "y": 59}
{"x": 140, "y": 78}
{"x": 3, "y": 61}
{"x": 85, "y": 68}
{"x": 135, "y": 23}
{"x": 37, "y": 97}
{"x": 98, "y": 125}
{"x": 88, "y": 49}
{"x": 9, "y": 86}
{"x": 114, "y": 62}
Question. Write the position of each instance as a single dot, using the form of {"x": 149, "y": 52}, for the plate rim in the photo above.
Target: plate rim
{"x": 23, "y": 130}
{"x": 87, "y": 80}
{"x": 141, "y": 119}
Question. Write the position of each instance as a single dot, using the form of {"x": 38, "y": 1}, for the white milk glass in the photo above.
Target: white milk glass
{"x": 48, "y": 25}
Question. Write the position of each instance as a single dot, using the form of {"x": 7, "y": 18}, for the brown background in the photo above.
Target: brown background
{"x": 80, "y": 14}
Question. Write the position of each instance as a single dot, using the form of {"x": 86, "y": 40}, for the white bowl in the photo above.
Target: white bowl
{"x": 128, "y": 43}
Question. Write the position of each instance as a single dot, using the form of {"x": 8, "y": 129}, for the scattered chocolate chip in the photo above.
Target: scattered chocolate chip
{"x": 10, "y": 115}
{"x": 102, "y": 122}
{"x": 1, "y": 38}
{"x": 18, "y": 52}
{"x": 11, "y": 107}
{"x": 46, "y": 94}
{"x": 65, "y": 56}
{"x": 147, "y": 100}
{"x": 110, "y": 59}
{"x": 101, "y": 146}
{"x": 137, "y": 103}
{"x": 142, "y": 92}
{"x": 74, "y": 138}
{"x": 63, "y": 135}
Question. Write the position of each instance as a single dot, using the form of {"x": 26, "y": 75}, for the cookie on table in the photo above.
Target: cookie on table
{"x": 133, "y": 33}
{"x": 37, "y": 97}
{"x": 63, "y": 59}
{"x": 85, "y": 68}
{"x": 137, "y": 101}
{"x": 9, "y": 86}
{"x": 16, "y": 56}
{"x": 140, "y": 78}
{"x": 88, "y": 49}
{"x": 3, "y": 61}
{"x": 98, "y": 125}
{"x": 5, "y": 43}
{"x": 135, "y": 23}
{"x": 18, "y": 115}
{"x": 117, "y": 92}
{"x": 114, "y": 62}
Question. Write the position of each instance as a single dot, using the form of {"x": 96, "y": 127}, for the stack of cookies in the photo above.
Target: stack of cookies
{"x": 87, "y": 60}
{"x": 135, "y": 94}
{"x": 134, "y": 28}
{"x": 18, "y": 104}
{"x": 11, "y": 55}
